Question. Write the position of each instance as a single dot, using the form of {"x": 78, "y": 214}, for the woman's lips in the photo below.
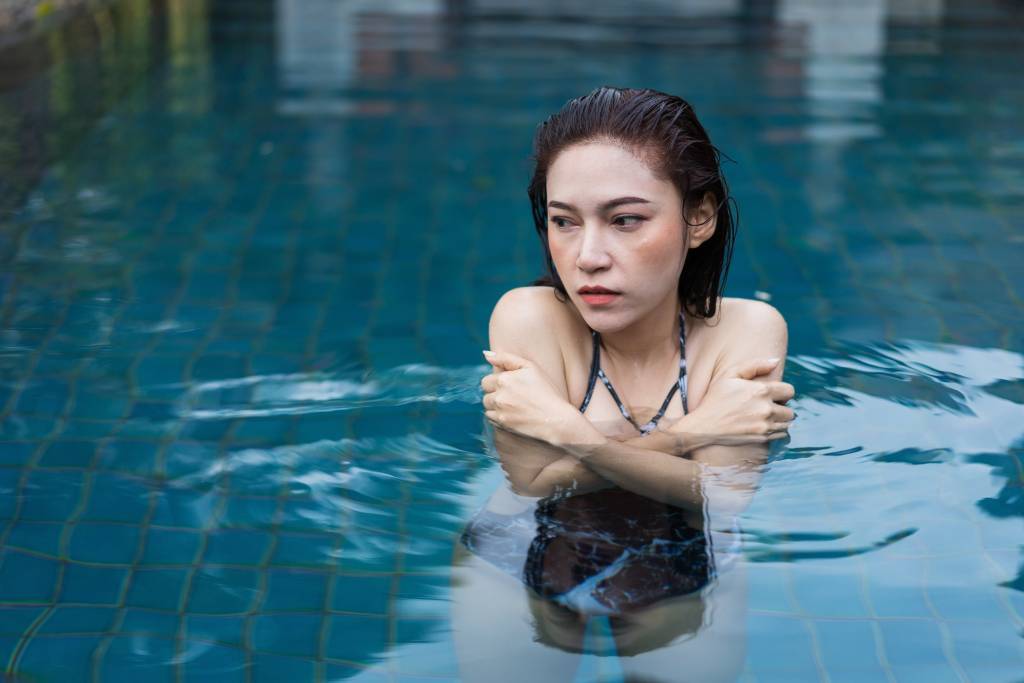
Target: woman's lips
{"x": 599, "y": 298}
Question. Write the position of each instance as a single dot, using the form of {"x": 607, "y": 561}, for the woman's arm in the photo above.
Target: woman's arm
{"x": 537, "y": 468}
{"x": 575, "y": 454}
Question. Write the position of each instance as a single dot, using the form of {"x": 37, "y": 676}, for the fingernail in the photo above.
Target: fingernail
{"x": 773, "y": 360}
{"x": 488, "y": 354}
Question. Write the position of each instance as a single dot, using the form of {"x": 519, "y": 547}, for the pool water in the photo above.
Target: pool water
{"x": 249, "y": 251}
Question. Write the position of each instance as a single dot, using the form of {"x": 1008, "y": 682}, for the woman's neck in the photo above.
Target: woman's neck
{"x": 647, "y": 342}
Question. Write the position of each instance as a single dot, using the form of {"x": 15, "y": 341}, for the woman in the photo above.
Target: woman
{"x": 633, "y": 215}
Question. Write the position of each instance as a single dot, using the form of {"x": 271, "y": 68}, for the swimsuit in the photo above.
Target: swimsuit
{"x": 596, "y": 371}
{"x": 607, "y": 551}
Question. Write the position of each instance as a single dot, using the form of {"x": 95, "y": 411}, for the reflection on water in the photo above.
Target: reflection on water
{"x": 249, "y": 251}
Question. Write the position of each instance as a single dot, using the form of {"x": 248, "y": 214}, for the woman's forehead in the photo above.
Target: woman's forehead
{"x": 587, "y": 175}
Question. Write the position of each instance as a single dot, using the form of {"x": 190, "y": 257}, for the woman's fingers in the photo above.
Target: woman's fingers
{"x": 781, "y": 391}
{"x": 489, "y": 382}
{"x": 781, "y": 413}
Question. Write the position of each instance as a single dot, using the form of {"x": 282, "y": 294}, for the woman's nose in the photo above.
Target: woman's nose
{"x": 593, "y": 253}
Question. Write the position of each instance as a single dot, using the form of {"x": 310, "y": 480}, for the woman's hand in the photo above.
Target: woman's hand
{"x": 519, "y": 398}
{"x": 737, "y": 406}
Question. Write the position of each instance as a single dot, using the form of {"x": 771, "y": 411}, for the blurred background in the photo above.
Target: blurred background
{"x": 248, "y": 251}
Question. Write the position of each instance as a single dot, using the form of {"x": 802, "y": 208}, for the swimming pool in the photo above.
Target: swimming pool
{"x": 249, "y": 252}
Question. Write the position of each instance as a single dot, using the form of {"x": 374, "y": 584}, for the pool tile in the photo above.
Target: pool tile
{"x": 163, "y": 370}
{"x": 304, "y": 551}
{"x": 43, "y": 400}
{"x": 29, "y": 427}
{"x": 216, "y": 367}
{"x": 135, "y": 457}
{"x": 150, "y": 621}
{"x": 271, "y": 430}
{"x": 40, "y": 537}
{"x": 829, "y": 590}
{"x": 912, "y": 643}
{"x": 14, "y": 620}
{"x": 967, "y": 602}
{"x": 338, "y": 673}
{"x": 116, "y": 499}
{"x": 313, "y": 428}
{"x": 895, "y": 588}
{"x": 426, "y": 554}
{"x": 79, "y": 620}
{"x": 64, "y": 658}
{"x": 50, "y": 496}
{"x": 137, "y": 657}
{"x": 780, "y": 644}
{"x": 223, "y": 629}
{"x": 312, "y": 514}
{"x": 191, "y": 460}
{"x": 206, "y": 662}
{"x": 184, "y": 508}
{"x": 223, "y": 591}
{"x": 287, "y": 634}
{"x": 982, "y": 644}
{"x": 357, "y": 639}
{"x": 170, "y": 546}
{"x": 294, "y": 590}
{"x": 383, "y": 519}
{"x": 103, "y": 543}
{"x": 359, "y": 553}
{"x": 250, "y": 512}
{"x": 27, "y": 578}
{"x": 93, "y": 585}
{"x": 207, "y": 431}
{"x": 935, "y": 672}
{"x": 769, "y": 587}
{"x": 432, "y": 520}
{"x": 273, "y": 669}
{"x": 17, "y": 453}
{"x": 79, "y": 453}
{"x": 848, "y": 648}
{"x": 237, "y": 546}
{"x": 87, "y": 429}
{"x": 100, "y": 405}
{"x": 157, "y": 588}
{"x": 369, "y": 594}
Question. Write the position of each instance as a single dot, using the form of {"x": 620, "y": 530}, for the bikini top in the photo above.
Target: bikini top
{"x": 680, "y": 384}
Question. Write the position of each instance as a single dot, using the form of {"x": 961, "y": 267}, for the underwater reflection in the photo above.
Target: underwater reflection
{"x": 651, "y": 589}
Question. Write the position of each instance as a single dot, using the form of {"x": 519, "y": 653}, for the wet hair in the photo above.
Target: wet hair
{"x": 664, "y": 131}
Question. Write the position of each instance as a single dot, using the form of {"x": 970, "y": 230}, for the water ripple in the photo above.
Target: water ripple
{"x": 307, "y": 393}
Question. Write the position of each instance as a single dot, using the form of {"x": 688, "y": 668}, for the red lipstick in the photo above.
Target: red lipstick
{"x": 596, "y": 295}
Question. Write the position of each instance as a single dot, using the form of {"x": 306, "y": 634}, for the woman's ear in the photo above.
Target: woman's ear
{"x": 702, "y": 219}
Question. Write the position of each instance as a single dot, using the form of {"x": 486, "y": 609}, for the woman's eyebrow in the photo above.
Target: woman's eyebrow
{"x": 607, "y": 206}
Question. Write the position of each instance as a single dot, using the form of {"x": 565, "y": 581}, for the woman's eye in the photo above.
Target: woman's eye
{"x": 559, "y": 222}
{"x": 630, "y": 221}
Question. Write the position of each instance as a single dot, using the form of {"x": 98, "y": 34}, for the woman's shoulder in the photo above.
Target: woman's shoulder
{"x": 750, "y": 314}
{"x": 532, "y": 322}
{"x": 532, "y": 309}
{"x": 747, "y": 329}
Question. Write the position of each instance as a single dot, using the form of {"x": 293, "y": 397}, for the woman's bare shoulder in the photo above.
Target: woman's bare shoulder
{"x": 533, "y": 323}
{"x": 749, "y": 329}
{"x": 751, "y": 314}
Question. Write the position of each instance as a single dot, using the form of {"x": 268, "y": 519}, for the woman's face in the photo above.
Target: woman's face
{"x": 613, "y": 224}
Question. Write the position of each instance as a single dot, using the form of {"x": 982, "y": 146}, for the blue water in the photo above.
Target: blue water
{"x": 249, "y": 251}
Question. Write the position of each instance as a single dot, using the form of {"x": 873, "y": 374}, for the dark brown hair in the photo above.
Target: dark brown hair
{"x": 664, "y": 130}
